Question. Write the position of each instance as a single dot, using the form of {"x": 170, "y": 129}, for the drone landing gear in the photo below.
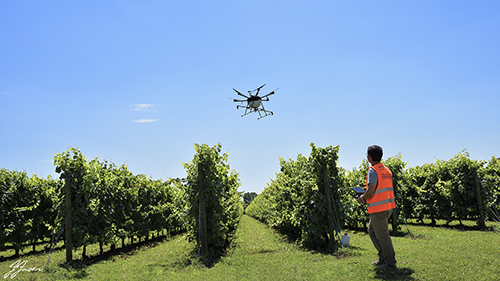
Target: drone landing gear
{"x": 249, "y": 110}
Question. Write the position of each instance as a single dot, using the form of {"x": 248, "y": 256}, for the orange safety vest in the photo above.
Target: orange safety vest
{"x": 383, "y": 198}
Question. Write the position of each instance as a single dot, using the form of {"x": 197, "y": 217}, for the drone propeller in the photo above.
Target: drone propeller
{"x": 235, "y": 100}
{"x": 240, "y": 93}
{"x": 271, "y": 93}
{"x": 258, "y": 89}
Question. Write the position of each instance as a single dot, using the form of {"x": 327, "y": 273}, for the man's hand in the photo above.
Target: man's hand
{"x": 368, "y": 193}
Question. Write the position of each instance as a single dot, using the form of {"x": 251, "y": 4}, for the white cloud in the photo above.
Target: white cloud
{"x": 4, "y": 93}
{"x": 145, "y": 120}
{"x": 143, "y": 107}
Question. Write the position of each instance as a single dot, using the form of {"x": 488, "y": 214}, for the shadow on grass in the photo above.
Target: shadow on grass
{"x": 463, "y": 226}
{"x": 29, "y": 254}
{"x": 403, "y": 231}
{"x": 394, "y": 274}
{"x": 78, "y": 266}
{"x": 398, "y": 233}
{"x": 192, "y": 258}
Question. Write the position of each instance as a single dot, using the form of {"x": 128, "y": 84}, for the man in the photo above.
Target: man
{"x": 379, "y": 196}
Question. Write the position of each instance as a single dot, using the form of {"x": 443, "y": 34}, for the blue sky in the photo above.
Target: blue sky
{"x": 140, "y": 82}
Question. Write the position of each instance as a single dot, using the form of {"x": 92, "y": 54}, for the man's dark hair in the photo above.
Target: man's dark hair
{"x": 375, "y": 152}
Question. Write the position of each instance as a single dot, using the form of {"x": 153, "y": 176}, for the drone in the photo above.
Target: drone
{"x": 254, "y": 102}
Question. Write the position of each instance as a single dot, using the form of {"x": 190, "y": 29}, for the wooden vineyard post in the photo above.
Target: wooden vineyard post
{"x": 69, "y": 240}
{"x": 482, "y": 224}
{"x": 395, "y": 211}
{"x": 329, "y": 210}
{"x": 203, "y": 212}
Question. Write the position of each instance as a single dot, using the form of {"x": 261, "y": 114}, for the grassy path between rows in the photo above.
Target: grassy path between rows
{"x": 259, "y": 254}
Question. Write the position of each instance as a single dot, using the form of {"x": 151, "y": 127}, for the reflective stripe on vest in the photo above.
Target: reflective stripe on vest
{"x": 383, "y": 198}
{"x": 381, "y": 202}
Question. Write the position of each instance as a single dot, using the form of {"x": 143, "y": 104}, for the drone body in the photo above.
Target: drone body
{"x": 254, "y": 102}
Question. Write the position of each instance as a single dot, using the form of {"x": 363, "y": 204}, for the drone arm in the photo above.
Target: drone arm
{"x": 240, "y": 93}
{"x": 271, "y": 93}
{"x": 258, "y": 89}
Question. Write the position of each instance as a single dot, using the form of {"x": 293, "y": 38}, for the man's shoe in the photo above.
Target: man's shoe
{"x": 378, "y": 263}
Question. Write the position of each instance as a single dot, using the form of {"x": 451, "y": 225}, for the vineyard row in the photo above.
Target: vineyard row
{"x": 454, "y": 190}
{"x": 109, "y": 204}
{"x": 310, "y": 200}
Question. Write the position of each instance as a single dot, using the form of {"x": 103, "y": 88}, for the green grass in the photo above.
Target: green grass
{"x": 258, "y": 253}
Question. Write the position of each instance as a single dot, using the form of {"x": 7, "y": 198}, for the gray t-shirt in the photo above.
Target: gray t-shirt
{"x": 372, "y": 176}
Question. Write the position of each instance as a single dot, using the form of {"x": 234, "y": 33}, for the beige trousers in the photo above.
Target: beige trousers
{"x": 378, "y": 229}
